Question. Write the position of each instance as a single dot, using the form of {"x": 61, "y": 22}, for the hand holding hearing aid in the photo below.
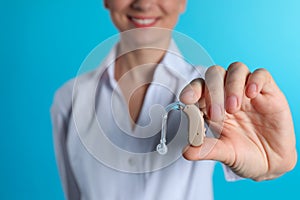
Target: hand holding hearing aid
{"x": 257, "y": 137}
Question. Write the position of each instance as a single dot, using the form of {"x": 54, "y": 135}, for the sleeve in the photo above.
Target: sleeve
{"x": 60, "y": 112}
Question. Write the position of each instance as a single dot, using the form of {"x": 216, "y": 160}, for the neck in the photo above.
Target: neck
{"x": 134, "y": 69}
{"x": 136, "y": 59}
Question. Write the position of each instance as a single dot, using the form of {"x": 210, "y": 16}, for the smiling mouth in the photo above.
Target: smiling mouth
{"x": 141, "y": 22}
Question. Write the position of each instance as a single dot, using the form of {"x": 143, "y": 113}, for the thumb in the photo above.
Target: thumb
{"x": 192, "y": 92}
{"x": 211, "y": 149}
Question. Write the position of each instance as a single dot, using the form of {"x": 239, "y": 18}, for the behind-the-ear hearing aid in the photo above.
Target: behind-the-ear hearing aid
{"x": 196, "y": 128}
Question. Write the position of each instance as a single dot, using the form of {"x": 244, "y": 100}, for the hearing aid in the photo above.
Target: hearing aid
{"x": 196, "y": 128}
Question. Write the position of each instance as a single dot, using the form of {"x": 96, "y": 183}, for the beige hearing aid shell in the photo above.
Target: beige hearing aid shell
{"x": 196, "y": 125}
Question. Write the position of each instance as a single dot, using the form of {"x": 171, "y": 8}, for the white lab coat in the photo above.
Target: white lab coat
{"x": 99, "y": 156}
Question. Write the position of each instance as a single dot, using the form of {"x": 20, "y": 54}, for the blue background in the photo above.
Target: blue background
{"x": 43, "y": 43}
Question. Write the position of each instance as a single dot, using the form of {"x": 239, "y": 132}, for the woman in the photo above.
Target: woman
{"x": 105, "y": 139}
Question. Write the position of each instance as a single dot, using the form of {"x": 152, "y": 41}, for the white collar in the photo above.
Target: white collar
{"x": 173, "y": 62}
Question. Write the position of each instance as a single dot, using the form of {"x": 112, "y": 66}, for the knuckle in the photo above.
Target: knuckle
{"x": 215, "y": 69}
{"x": 236, "y": 77}
{"x": 263, "y": 73}
{"x": 196, "y": 82}
{"x": 214, "y": 78}
{"x": 236, "y": 81}
{"x": 215, "y": 93}
{"x": 237, "y": 66}
{"x": 235, "y": 84}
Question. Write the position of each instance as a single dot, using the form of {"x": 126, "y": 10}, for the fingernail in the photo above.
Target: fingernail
{"x": 215, "y": 112}
{"x": 188, "y": 94}
{"x": 252, "y": 90}
{"x": 231, "y": 103}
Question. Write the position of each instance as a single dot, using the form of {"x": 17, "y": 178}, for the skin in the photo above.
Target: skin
{"x": 257, "y": 138}
{"x": 166, "y": 12}
{"x": 247, "y": 109}
{"x": 133, "y": 81}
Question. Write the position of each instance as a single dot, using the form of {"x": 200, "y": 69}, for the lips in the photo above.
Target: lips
{"x": 143, "y": 22}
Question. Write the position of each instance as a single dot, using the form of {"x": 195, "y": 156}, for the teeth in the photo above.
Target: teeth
{"x": 143, "y": 21}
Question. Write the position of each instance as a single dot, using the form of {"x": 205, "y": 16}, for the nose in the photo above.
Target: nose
{"x": 142, "y": 5}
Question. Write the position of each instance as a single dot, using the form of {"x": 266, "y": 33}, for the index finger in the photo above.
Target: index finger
{"x": 214, "y": 93}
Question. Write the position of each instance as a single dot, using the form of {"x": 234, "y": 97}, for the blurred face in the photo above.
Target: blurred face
{"x": 130, "y": 14}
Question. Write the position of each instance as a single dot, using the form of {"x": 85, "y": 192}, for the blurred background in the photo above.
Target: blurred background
{"x": 43, "y": 43}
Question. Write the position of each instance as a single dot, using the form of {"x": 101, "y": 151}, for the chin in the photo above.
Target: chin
{"x": 150, "y": 37}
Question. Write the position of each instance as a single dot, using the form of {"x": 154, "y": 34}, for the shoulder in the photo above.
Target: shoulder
{"x": 62, "y": 101}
